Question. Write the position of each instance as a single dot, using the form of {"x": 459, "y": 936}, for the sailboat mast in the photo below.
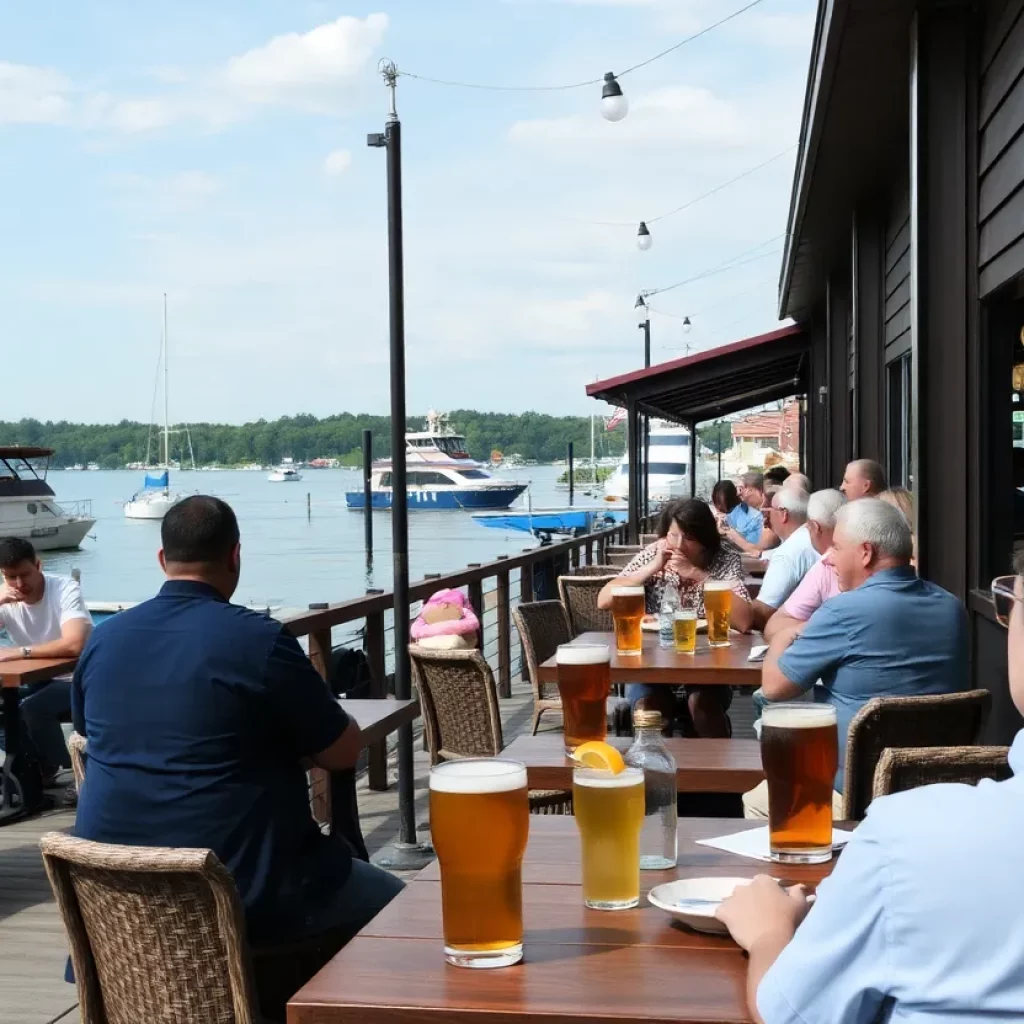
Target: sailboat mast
{"x": 167, "y": 425}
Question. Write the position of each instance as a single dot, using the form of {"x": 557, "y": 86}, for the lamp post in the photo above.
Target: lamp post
{"x": 407, "y": 852}
{"x": 643, "y": 313}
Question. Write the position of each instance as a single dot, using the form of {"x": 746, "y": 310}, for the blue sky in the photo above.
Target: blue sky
{"x": 217, "y": 151}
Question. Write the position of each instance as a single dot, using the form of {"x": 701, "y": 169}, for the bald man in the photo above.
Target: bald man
{"x": 864, "y": 478}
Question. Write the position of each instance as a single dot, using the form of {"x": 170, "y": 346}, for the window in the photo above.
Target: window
{"x": 668, "y": 468}
{"x": 899, "y": 426}
{"x": 425, "y": 478}
{"x": 681, "y": 440}
{"x": 385, "y": 480}
{"x": 32, "y": 508}
{"x": 471, "y": 474}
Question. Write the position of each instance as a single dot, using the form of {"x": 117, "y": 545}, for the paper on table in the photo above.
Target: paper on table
{"x": 754, "y": 843}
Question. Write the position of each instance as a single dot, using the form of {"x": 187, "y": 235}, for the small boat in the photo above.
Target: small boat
{"x": 286, "y": 473}
{"x": 669, "y": 467}
{"x": 28, "y": 508}
{"x": 440, "y": 474}
{"x": 542, "y": 522}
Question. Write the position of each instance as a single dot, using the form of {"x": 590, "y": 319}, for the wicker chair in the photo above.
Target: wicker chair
{"x": 542, "y": 625}
{"x": 595, "y": 570}
{"x": 579, "y": 597}
{"x": 901, "y": 768}
{"x": 459, "y": 705}
{"x": 76, "y": 747}
{"x": 935, "y": 720}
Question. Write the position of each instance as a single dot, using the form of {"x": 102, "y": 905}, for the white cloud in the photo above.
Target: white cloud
{"x": 337, "y": 162}
{"x": 33, "y": 95}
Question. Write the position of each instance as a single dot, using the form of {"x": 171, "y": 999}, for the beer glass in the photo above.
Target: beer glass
{"x": 800, "y": 754}
{"x": 479, "y": 820}
{"x": 718, "y": 607}
{"x": 684, "y": 631}
{"x": 609, "y": 813}
{"x": 584, "y": 682}
{"x": 628, "y": 604}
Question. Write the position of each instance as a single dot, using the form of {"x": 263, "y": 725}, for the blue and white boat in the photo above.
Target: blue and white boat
{"x": 542, "y": 522}
{"x": 440, "y": 474}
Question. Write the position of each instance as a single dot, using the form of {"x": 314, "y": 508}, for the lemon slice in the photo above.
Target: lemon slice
{"x": 600, "y": 755}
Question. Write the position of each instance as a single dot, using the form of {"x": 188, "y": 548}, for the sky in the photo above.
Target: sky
{"x": 217, "y": 152}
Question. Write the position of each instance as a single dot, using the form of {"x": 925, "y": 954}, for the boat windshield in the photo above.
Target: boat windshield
{"x": 451, "y": 445}
{"x": 472, "y": 474}
{"x": 20, "y": 468}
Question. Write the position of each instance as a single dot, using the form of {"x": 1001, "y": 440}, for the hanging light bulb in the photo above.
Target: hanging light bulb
{"x": 687, "y": 326}
{"x": 614, "y": 106}
{"x": 643, "y": 238}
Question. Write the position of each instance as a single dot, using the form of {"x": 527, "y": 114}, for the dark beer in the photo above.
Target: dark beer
{"x": 584, "y": 682}
{"x": 800, "y": 754}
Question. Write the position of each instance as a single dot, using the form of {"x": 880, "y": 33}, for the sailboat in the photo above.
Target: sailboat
{"x": 156, "y": 498}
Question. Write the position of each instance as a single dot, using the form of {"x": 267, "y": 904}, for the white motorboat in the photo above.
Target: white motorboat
{"x": 156, "y": 497}
{"x": 669, "y": 475}
{"x": 28, "y": 508}
{"x": 286, "y": 473}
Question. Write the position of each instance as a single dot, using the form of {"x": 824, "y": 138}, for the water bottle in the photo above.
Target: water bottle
{"x": 659, "y": 840}
{"x": 670, "y": 604}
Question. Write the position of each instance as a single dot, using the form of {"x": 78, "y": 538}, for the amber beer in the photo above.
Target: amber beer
{"x": 684, "y": 631}
{"x": 800, "y": 754}
{"x": 627, "y": 613}
{"x": 479, "y": 821}
{"x": 609, "y": 813}
{"x": 718, "y": 608}
{"x": 584, "y": 682}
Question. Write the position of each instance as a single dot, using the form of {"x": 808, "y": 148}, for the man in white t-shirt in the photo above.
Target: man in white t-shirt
{"x": 45, "y": 617}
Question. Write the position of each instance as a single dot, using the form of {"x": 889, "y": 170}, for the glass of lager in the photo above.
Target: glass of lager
{"x": 584, "y": 682}
{"x": 684, "y": 630}
{"x": 718, "y": 607}
{"x": 479, "y": 821}
{"x": 628, "y": 604}
{"x": 609, "y": 811}
{"x": 800, "y": 754}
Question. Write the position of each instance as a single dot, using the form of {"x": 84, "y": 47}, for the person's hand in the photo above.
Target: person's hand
{"x": 10, "y": 653}
{"x": 662, "y": 554}
{"x": 686, "y": 571}
{"x": 763, "y": 910}
{"x": 8, "y": 596}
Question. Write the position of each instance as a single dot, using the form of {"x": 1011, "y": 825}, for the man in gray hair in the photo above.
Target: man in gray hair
{"x": 864, "y": 478}
{"x": 888, "y": 634}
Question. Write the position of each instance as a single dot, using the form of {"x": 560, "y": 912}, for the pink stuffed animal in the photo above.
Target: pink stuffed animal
{"x": 447, "y": 622}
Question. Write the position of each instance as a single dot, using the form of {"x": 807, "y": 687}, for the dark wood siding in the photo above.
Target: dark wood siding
{"x": 897, "y": 277}
{"x": 1001, "y": 147}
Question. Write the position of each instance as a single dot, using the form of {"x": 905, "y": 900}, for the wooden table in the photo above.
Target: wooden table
{"x": 12, "y": 675}
{"x": 580, "y": 965}
{"x": 703, "y": 766}
{"x": 710, "y": 666}
{"x": 379, "y": 718}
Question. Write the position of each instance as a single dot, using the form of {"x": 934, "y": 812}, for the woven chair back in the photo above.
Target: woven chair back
{"x": 542, "y": 625}
{"x": 900, "y": 769}
{"x": 579, "y": 597}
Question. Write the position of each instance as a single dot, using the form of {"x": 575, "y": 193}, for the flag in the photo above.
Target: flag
{"x": 615, "y": 419}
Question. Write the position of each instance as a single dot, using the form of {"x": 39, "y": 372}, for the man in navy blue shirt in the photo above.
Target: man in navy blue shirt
{"x": 199, "y": 715}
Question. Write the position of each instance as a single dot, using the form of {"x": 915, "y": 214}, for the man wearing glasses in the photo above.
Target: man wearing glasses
{"x": 899, "y": 931}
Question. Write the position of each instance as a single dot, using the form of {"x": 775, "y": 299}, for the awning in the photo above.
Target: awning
{"x": 716, "y": 383}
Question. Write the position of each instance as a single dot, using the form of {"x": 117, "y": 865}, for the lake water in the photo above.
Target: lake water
{"x": 288, "y": 557}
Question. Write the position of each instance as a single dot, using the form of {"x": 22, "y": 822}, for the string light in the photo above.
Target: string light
{"x": 643, "y": 238}
{"x": 614, "y": 106}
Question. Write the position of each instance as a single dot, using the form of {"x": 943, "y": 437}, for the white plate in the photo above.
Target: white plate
{"x": 700, "y": 918}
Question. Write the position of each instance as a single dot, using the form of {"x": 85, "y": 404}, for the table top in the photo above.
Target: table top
{"x": 702, "y": 765}
{"x": 34, "y": 670}
{"x": 580, "y": 965}
{"x": 379, "y": 718}
{"x": 714, "y": 666}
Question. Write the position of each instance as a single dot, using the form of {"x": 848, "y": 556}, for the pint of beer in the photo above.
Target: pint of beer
{"x": 479, "y": 821}
{"x": 800, "y": 754}
{"x": 584, "y": 682}
{"x": 684, "y": 631}
{"x": 718, "y": 607}
{"x": 609, "y": 814}
{"x": 627, "y": 614}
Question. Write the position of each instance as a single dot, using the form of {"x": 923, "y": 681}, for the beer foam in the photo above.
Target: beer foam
{"x": 583, "y": 654}
{"x": 627, "y": 591}
{"x": 597, "y": 779}
{"x": 717, "y": 585}
{"x": 789, "y": 716}
{"x": 478, "y": 775}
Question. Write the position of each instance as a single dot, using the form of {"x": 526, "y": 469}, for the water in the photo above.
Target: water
{"x": 287, "y": 559}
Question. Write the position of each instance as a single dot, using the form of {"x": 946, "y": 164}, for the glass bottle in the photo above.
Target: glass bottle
{"x": 670, "y": 604}
{"x": 659, "y": 840}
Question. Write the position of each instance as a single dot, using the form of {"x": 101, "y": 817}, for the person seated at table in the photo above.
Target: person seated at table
{"x": 776, "y": 475}
{"x": 820, "y": 582}
{"x": 863, "y": 478}
{"x": 747, "y": 529}
{"x": 792, "y": 559}
{"x": 897, "y": 932}
{"x": 797, "y": 482}
{"x": 689, "y": 552}
{"x": 45, "y": 617}
{"x": 724, "y": 500}
{"x": 888, "y": 634}
{"x": 904, "y": 501}
{"x": 199, "y": 715}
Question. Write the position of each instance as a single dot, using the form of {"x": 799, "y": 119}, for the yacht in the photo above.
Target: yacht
{"x": 440, "y": 474}
{"x": 28, "y": 508}
{"x": 669, "y": 467}
{"x": 286, "y": 473}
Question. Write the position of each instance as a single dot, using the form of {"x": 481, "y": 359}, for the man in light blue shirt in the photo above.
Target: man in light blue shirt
{"x": 746, "y": 518}
{"x": 899, "y": 932}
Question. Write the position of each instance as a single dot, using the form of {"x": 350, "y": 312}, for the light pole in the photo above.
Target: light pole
{"x": 406, "y": 850}
{"x": 643, "y": 313}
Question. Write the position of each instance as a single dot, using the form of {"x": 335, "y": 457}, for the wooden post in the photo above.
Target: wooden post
{"x": 320, "y": 780}
{"x": 526, "y": 584}
{"x": 504, "y": 636}
{"x": 574, "y": 557}
{"x": 476, "y": 599}
{"x": 373, "y": 645}
{"x": 590, "y": 550}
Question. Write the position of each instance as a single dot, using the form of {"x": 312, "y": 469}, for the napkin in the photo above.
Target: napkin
{"x": 754, "y": 843}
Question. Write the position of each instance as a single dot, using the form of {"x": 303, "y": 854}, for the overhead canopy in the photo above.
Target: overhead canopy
{"x": 24, "y": 452}
{"x": 716, "y": 383}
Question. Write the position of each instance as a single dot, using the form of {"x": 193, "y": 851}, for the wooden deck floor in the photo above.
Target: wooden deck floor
{"x": 33, "y": 948}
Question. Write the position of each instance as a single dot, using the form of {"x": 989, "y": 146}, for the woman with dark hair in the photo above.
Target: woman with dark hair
{"x": 688, "y": 553}
{"x": 724, "y": 497}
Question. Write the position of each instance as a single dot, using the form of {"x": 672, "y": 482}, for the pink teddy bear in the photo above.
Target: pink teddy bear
{"x": 447, "y": 622}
